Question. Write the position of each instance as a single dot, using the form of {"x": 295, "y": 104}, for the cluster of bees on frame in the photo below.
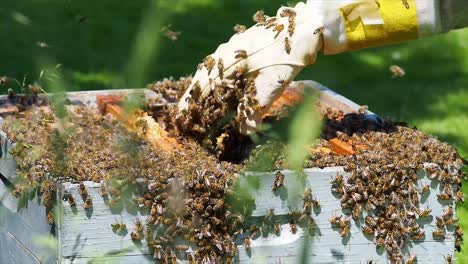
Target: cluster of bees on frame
{"x": 384, "y": 188}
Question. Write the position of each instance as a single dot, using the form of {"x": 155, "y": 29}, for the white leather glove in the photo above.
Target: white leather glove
{"x": 331, "y": 26}
{"x": 270, "y": 61}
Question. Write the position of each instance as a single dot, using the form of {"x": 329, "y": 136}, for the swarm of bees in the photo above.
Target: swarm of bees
{"x": 383, "y": 184}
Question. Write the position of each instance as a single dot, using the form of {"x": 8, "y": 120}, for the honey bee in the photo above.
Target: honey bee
{"x": 288, "y": 12}
{"x": 440, "y": 222}
{"x": 287, "y": 45}
{"x": 438, "y": 233}
{"x": 356, "y": 212}
{"x": 460, "y": 197}
{"x": 221, "y": 68}
{"x": 307, "y": 208}
{"x": 103, "y": 191}
{"x": 259, "y": 17}
{"x": 448, "y": 259}
{"x": 88, "y": 203}
{"x": 50, "y": 217}
{"x": 412, "y": 260}
{"x": 367, "y": 230}
{"x": 319, "y": 30}
{"x": 291, "y": 28}
{"x": 444, "y": 196}
{"x": 247, "y": 243}
{"x": 406, "y": 4}
{"x": 241, "y": 54}
{"x": 71, "y": 200}
{"x": 397, "y": 71}
{"x": 278, "y": 28}
{"x": 425, "y": 188}
{"x": 138, "y": 225}
{"x": 448, "y": 213}
{"x": 345, "y": 232}
{"x": 209, "y": 63}
{"x": 142, "y": 124}
{"x": 369, "y": 220}
{"x": 279, "y": 180}
{"x": 118, "y": 227}
{"x": 83, "y": 191}
{"x": 425, "y": 212}
{"x": 335, "y": 220}
{"x": 316, "y": 202}
{"x": 181, "y": 248}
{"x": 380, "y": 242}
{"x": 418, "y": 236}
{"x": 136, "y": 236}
{"x": 277, "y": 228}
{"x": 459, "y": 232}
{"x": 240, "y": 28}
{"x": 451, "y": 221}
{"x": 293, "y": 226}
{"x": 344, "y": 223}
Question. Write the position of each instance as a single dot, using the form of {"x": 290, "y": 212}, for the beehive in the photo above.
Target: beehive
{"x": 85, "y": 235}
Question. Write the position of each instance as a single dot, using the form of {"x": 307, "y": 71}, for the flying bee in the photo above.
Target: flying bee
{"x": 240, "y": 28}
{"x": 319, "y": 30}
{"x": 88, "y": 203}
{"x": 438, "y": 234}
{"x": 259, "y": 17}
{"x": 209, "y": 63}
{"x": 247, "y": 243}
{"x": 279, "y": 180}
{"x": 103, "y": 191}
{"x": 448, "y": 259}
{"x": 287, "y": 45}
{"x": 241, "y": 54}
{"x": 50, "y": 217}
{"x": 397, "y": 71}
{"x": 278, "y": 28}
{"x": 406, "y": 4}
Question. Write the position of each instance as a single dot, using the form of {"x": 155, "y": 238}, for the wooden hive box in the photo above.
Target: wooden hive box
{"x": 86, "y": 235}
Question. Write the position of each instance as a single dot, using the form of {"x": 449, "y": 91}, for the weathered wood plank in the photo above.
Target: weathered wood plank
{"x": 13, "y": 251}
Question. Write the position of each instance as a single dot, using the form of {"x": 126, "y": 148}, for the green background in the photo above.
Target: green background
{"x": 120, "y": 46}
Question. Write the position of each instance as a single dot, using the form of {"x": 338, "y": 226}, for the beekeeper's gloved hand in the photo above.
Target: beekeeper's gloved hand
{"x": 278, "y": 48}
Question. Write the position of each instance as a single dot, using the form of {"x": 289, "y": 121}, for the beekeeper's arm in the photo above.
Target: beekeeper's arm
{"x": 278, "y": 48}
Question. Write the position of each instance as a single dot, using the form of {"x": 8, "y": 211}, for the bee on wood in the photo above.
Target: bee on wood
{"x": 344, "y": 223}
{"x": 335, "y": 220}
{"x": 367, "y": 230}
{"x": 277, "y": 228}
{"x": 287, "y": 45}
{"x": 307, "y": 210}
{"x": 50, "y": 217}
{"x": 103, "y": 191}
{"x": 259, "y": 17}
{"x": 118, "y": 227}
{"x": 247, "y": 243}
{"x": 444, "y": 196}
{"x": 380, "y": 242}
{"x": 279, "y": 180}
{"x": 438, "y": 234}
{"x": 293, "y": 226}
{"x": 148, "y": 232}
{"x": 448, "y": 213}
{"x": 425, "y": 212}
{"x": 136, "y": 236}
{"x": 319, "y": 30}
{"x": 83, "y": 191}
{"x": 138, "y": 225}
{"x": 241, "y": 54}
{"x": 316, "y": 203}
{"x": 369, "y": 220}
{"x": 345, "y": 232}
{"x": 88, "y": 203}
{"x": 356, "y": 212}
{"x": 425, "y": 188}
{"x": 278, "y": 28}
{"x": 418, "y": 236}
{"x": 240, "y": 28}
{"x": 209, "y": 63}
{"x": 397, "y": 71}
{"x": 440, "y": 222}
{"x": 406, "y": 4}
{"x": 451, "y": 221}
